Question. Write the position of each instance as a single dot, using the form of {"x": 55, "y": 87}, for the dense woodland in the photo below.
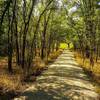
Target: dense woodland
{"x": 36, "y": 28}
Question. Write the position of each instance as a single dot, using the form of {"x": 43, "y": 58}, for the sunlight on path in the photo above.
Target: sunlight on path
{"x": 64, "y": 80}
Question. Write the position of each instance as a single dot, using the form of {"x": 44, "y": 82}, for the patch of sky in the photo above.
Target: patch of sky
{"x": 73, "y": 9}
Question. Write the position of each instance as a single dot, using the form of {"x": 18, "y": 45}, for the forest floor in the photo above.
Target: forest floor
{"x": 64, "y": 80}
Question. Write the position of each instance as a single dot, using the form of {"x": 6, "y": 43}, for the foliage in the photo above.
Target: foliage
{"x": 36, "y": 28}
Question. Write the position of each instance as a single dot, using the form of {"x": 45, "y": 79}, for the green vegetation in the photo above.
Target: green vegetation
{"x": 34, "y": 32}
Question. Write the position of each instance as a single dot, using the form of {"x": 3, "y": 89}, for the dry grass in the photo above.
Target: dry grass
{"x": 95, "y": 69}
{"x": 14, "y": 82}
{"x": 39, "y": 64}
{"x": 55, "y": 54}
{"x": 8, "y": 82}
{"x": 86, "y": 65}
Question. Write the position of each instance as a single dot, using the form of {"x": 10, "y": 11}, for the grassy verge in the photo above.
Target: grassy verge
{"x": 12, "y": 85}
{"x": 94, "y": 72}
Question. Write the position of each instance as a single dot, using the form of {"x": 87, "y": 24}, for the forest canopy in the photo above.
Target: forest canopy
{"x": 30, "y": 28}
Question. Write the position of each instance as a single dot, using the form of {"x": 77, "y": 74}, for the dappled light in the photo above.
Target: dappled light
{"x": 49, "y": 49}
{"x": 64, "y": 80}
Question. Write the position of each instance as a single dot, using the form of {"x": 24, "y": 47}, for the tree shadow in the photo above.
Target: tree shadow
{"x": 64, "y": 80}
{"x": 56, "y": 91}
{"x": 42, "y": 94}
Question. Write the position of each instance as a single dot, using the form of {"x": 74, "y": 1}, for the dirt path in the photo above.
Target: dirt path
{"x": 64, "y": 80}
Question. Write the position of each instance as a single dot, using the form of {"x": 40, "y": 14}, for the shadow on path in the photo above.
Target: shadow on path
{"x": 64, "y": 80}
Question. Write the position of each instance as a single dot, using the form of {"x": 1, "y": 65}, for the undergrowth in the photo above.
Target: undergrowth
{"x": 95, "y": 70}
{"x": 14, "y": 82}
